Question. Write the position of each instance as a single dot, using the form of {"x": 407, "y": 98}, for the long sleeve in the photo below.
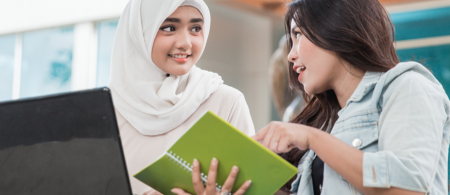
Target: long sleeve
{"x": 411, "y": 139}
{"x": 240, "y": 116}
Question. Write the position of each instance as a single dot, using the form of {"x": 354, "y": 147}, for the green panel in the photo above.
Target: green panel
{"x": 422, "y": 23}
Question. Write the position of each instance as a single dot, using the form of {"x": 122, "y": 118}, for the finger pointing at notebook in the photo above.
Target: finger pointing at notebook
{"x": 282, "y": 137}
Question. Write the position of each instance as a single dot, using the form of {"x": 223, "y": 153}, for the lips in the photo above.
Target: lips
{"x": 300, "y": 70}
{"x": 180, "y": 57}
{"x": 300, "y": 76}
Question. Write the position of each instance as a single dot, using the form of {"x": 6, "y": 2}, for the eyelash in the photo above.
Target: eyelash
{"x": 166, "y": 27}
{"x": 195, "y": 29}
{"x": 297, "y": 34}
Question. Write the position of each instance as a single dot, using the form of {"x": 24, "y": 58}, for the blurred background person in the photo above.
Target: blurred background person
{"x": 287, "y": 101}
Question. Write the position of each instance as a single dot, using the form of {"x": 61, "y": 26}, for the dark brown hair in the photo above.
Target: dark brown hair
{"x": 358, "y": 31}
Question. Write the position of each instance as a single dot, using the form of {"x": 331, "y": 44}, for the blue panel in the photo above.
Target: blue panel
{"x": 421, "y": 24}
{"x": 47, "y": 62}
{"x": 7, "y": 43}
{"x": 436, "y": 58}
{"x": 106, "y": 33}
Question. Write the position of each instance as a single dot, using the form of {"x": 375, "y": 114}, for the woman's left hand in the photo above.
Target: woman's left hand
{"x": 282, "y": 137}
{"x": 210, "y": 188}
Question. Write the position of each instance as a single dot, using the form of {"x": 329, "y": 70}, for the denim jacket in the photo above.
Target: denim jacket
{"x": 400, "y": 120}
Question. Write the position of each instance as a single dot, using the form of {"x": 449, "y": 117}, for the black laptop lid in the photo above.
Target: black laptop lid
{"x": 64, "y": 144}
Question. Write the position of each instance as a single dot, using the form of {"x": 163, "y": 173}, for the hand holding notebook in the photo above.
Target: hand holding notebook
{"x": 210, "y": 187}
{"x": 212, "y": 137}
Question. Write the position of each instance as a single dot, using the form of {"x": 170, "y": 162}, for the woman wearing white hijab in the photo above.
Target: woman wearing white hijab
{"x": 157, "y": 90}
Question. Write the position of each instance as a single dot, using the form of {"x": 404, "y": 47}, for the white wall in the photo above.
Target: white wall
{"x": 238, "y": 48}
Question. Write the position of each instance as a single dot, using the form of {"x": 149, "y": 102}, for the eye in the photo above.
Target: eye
{"x": 168, "y": 28}
{"x": 297, "y": 35}
{"x": 196, "y": 29}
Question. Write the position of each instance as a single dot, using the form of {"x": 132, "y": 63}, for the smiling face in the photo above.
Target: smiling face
{"x": 318, "y": 68}
{"x": 179, "y": 41}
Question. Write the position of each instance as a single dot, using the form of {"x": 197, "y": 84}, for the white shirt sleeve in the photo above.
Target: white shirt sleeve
{"x": 240, "y": 116}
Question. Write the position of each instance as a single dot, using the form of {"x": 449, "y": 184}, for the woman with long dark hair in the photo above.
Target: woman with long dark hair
{"x": 371, "y": 125}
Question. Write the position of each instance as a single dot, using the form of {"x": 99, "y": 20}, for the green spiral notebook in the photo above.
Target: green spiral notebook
{"x": 211, "y": 137}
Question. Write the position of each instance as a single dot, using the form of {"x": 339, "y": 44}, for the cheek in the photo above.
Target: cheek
{"x": 320, "y": 65}
{"x": 161, "y": 48}
{"x": 314, "y": 57}
{"x": 197, "y": 45}
{"x": 306, "y": 50}
{"x": 309, "y": 56}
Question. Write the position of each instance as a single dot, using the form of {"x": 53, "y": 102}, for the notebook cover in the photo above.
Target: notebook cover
{"x": 211, "y": 137}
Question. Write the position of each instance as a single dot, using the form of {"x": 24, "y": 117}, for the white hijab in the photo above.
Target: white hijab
{"x": 149, "y": 100}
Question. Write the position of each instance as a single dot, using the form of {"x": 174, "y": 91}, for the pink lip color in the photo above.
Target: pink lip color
{"x": 182, "y": 60}
{"x": 300, "y": 76}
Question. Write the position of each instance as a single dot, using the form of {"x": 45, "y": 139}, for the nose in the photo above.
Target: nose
{"x": 292, "y": 56}
{"x": 184, "y": 41}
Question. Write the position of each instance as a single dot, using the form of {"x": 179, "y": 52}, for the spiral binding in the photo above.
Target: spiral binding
{"x": 188, "y": 167}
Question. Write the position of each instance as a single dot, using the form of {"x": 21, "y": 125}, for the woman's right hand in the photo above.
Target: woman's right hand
{"x": 211, "y": 181}
{"x": 282, "y": 137}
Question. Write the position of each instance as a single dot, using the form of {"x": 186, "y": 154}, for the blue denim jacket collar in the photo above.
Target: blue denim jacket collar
{"x": 368, "y": 82}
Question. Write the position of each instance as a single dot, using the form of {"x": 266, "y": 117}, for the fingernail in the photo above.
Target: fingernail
{"x": 173, "y": 190}
{"x": 235, "y": 169}
{"x": 195, "y": 163}
{"x": 214, "y": 161}
{"x": 249, "y": 182}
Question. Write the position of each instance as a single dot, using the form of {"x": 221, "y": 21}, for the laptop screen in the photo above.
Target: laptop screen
{"x": 64, "y": 144}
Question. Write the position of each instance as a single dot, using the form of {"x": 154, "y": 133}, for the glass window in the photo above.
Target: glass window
{"x": 421, "y": 23}
{"x": 106, "y": 33}
{"x": 7, "y": 43}
{"x": 46, "y": 61}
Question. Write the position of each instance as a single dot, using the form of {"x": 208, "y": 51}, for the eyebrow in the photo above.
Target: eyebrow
{"x": 196, "y": 20}
{"x": 178, "y": 20}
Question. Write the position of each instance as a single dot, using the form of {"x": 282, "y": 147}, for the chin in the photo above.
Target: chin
{"x": 180, "y": 71}
{"x": 310, "y": 90}
{"x": 183, "y": 73}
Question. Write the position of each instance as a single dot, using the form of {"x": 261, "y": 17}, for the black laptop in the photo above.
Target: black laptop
{"x": 66, "y": 144}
